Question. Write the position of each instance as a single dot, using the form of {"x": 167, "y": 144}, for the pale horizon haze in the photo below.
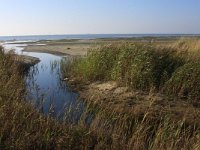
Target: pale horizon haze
{"x": 49, "y": 17}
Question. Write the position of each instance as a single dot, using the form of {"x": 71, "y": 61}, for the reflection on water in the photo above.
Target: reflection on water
{"x": 44, "y": 84}
{"x": 45, "y": 88}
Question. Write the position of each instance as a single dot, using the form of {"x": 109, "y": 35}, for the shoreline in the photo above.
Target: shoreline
{"x": 56, "y": 53}
{"x": 26, "y": 61}
{"x": 80, "y": 47}
{"x": 60, "y": 48}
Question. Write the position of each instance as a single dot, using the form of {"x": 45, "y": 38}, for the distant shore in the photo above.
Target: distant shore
{"x": 80, "y": 47}
{"x": 60, "y": 48}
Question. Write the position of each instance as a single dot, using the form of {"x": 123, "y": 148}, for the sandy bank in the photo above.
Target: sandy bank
{"x": 58, "y": 50}
{"x": 72, "y": 47}
{"x": 76, "y": 47}
{"x": 26, "y": 61}
{"x": 62, "y": 47}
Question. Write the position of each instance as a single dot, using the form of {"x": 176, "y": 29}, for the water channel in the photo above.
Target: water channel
{"x": 45, "y": 88}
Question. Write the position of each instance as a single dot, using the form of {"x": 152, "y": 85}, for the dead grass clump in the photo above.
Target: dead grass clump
{"x": 188, "y": 48}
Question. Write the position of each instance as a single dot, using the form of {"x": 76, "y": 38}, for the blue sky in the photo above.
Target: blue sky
{"x": 36, "y": 17}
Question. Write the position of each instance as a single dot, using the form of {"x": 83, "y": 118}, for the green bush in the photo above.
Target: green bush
{"x": 185, "y": 81}
{"x": 144, "y": 66}
{"x": 97, "y": 65}
{"x": 139, "y": 66}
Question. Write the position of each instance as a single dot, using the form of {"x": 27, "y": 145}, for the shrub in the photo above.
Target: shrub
{"x": 98, "y": 63}
{"x": 144, "y": 66}
{"x": 139, "y": 66}
{"x": 185, "y": 81}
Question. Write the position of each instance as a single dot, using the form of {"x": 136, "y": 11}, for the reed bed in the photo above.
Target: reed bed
{"x": 106, "y": 123}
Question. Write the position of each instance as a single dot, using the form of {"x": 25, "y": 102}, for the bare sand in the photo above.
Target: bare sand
{"x": 64, "y": 47}
{"x": 59, "y": 49}
{"x": 80, "y": 47}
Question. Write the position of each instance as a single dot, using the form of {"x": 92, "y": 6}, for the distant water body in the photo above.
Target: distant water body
{"x": 87, "y": 36}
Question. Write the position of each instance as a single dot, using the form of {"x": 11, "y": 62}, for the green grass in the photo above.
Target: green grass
{"x": 185, "y": 81}
{"x": 139, "y": 66}
{"x": 142, "y": 66}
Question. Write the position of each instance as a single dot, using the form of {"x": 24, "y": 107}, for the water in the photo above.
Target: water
{"x": 45, "y": 88}
{"x": 86, "y": 36}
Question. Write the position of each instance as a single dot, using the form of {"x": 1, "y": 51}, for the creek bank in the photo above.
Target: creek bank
{"x": 113, "y": 97}
{"x": 26, "y": 61}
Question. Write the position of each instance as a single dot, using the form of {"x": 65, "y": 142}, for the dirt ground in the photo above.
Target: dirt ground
{"x": 124, "y": 100}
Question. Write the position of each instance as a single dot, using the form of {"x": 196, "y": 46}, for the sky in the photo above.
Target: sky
{"x": 44, "y": 17}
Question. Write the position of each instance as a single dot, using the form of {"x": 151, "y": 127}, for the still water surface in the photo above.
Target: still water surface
{"x": 45, "y": 88}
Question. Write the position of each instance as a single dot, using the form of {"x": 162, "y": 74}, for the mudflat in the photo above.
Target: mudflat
{"x": 79, "y": 47}
{"x": 63, "y": 47}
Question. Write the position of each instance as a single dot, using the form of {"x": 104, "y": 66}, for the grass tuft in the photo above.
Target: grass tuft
{"x": 185, "y": 81}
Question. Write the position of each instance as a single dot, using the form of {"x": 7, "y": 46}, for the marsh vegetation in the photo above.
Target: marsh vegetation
{"x": 157, "y": 83}
{"x": 137, "y": 95}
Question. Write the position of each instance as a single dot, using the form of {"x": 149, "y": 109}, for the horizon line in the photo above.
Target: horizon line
{"x": 102, "y": 34}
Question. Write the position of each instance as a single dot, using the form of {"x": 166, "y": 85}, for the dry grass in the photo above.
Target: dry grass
{"x": 188, "y": 48}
